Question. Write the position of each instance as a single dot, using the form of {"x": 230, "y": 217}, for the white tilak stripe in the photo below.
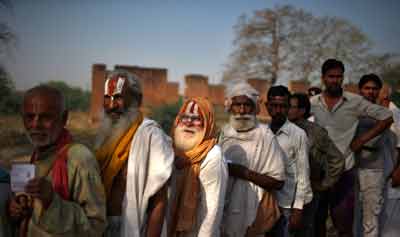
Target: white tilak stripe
{"x": 188, "y": 107}
{"x": 106, "y": 87}
{"x": 120, "y": 85}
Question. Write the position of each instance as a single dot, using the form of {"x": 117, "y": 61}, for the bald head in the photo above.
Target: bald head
{"x": 44, "y": 115}
{"x": 51, "y": 95}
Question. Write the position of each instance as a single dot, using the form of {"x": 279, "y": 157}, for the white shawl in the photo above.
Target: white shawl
{"x": 150, "y": 165}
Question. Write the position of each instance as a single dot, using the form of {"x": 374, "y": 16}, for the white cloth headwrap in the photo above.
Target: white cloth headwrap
{"x": 238, "y": 89}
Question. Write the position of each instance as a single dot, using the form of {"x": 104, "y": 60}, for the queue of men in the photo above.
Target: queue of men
{"x": 249, "y": 179}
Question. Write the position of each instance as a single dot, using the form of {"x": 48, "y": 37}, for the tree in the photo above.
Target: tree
{"x": 165, "y": 115}
{"x": 290, "y": 42}
{"x": 392, "y": 75}
{"x": 7, "y": 37}
{"x": 75, "y": 98}
{"x": 9, "y": 100}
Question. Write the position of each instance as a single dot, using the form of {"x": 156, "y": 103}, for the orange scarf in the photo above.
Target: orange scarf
{"x": 112, "y": 157}
{"x": 184, "y": 208}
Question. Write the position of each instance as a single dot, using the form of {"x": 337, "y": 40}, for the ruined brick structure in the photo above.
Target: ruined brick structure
{"x": 158, "y": 91}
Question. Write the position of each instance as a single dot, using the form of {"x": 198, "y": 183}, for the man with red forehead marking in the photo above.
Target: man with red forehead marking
{"x": 136, "y": 161}
{"x": 199, "y": 183}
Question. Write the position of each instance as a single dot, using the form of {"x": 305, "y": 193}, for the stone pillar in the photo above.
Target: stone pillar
{"x": 96, "y": 104}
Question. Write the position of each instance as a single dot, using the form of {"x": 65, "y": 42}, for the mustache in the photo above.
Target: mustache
{"x": 190, "y": 130}
{"x": 243, "y": 117}
{"x": 36, "y": 132}
{"x": 114, "y": 110}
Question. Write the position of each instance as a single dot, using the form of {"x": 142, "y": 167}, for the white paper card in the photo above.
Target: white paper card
{"x": 20, "y": 175}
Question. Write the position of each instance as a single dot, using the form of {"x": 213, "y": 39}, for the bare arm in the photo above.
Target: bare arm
{"x": 379, "y": 127}
{"x": 262, "y": 180}
{"x": 156, "y": 210}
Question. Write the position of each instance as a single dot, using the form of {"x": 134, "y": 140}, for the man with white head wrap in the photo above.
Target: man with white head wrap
{"x": 136, "y": 161}
{"x": 255, "y": 163}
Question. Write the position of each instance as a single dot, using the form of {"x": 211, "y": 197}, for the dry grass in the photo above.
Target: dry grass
{"x": 15, "y": 147}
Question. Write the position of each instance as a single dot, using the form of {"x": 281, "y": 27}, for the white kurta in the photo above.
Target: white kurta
{"x": 213, "y": 181}
{"x": 259, "y": 151}
{"x": 150, "y": 166}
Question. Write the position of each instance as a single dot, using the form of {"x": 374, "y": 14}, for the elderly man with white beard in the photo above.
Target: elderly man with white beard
{"x": 256, "y": 167}
{"x": 136, "y": 161}
{"x": 199, "y": 182}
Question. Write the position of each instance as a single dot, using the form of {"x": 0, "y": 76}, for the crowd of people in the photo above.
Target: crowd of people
{"x": 326, "y": 152}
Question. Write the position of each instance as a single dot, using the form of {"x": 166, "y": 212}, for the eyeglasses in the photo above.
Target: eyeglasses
{"x": 195, "y": 120}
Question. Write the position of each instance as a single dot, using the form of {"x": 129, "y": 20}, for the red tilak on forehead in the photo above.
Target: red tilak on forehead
{"x": 192, "y": 107}
{"x": 112, "y": 84}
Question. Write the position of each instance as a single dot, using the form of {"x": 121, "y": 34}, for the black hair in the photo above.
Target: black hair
{"x": 331, "y": 64}
{"x": 278, "y": 91}
{"x": 303, "y": 103}
{"x": 370, "y": 77}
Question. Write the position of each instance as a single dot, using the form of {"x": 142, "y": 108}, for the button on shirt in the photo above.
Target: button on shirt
{"x": 342, "y": 121}
{"x": 296, "y": 191}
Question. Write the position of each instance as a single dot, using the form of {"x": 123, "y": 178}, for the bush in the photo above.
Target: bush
{"x": 165, "y": 115}
{"x": 10, "y": 101}
{"x": 75, "y": 98}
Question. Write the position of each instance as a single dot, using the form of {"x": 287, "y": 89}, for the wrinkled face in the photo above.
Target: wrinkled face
{"x": 243, "y": 113}
{"x": 332, "y": 80}
{"x": 295, "y": 112}
{"x": 117, "y": 98}
{"x": 190, "y": 129}
{"x": 242, "y": 105}
{"x": 43, "y": 119}
{"x": 370, "y": 91}
{"x": 278, "y": 107}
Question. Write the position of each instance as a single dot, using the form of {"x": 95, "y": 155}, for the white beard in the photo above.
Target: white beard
{"x": 110, "y": 131}
{"x": 242, "y": 122}
{"x": 186, "y": 138}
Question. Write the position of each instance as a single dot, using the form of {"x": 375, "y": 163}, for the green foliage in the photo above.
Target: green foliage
{"x": 392, "y": 75}
{"x": 395, "y": 98}
{"x": 10, "y": 101}
{"x": 165, "y": 115}
{"x": 76, "y": 98}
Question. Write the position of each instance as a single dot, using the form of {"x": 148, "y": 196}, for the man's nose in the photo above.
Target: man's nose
{"x": 111, "y": 104}
{"x": 35, "y": 122}
{"x": 242, "y": 110}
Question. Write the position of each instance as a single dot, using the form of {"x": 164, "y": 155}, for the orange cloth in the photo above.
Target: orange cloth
{"x": 112, "y": 157}
{"x": 184, "y": 208}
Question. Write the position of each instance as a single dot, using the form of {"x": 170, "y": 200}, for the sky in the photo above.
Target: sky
{"x": 60, "y": 40}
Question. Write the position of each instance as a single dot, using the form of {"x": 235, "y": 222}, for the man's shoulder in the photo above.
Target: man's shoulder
{"x": 214, "y": 159}
{"x": 81, "y": 155}
{"x": 314, "y": 128}
{"x": 149, "y": 127}
{"x": 354, "y": 99}
{"x": 293, "y": 129}
{"x": 214, "y": 155}
{"x": 351, "y": 96}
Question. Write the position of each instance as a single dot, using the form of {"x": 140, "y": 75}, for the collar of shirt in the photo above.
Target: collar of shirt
{"x": 284, "y": 129}
{"x": 343, "y": 99}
